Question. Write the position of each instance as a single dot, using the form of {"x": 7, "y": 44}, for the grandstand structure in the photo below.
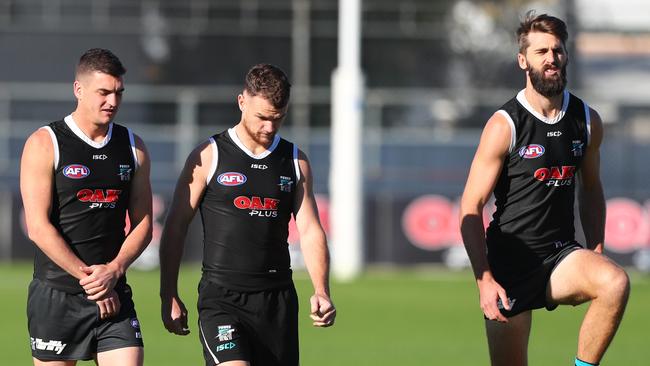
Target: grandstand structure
{"x": 434, "y": 72}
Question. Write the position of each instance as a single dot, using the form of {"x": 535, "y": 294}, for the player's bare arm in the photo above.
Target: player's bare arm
{"x": 103, "y": 277}
{"x": 483, "y": 176}
{"x": 187, "y": 195}
{"x": 36, "y": 177}
{"x": 314, "y": 246}
{"x": 591, "y": 199}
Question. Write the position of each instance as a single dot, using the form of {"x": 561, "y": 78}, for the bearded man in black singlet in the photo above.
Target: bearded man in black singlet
{"x": 247, "y": 182}
{"x": 533, "y": 153}
{"x": 79, "y": 177}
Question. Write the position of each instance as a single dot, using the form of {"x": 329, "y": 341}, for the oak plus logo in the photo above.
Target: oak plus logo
{"x": 99, "y": 198}
{"x": 258, "y": 206}
{"x": 556, "y": 176}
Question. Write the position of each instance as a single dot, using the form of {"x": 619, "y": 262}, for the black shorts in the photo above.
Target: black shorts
{"x": 64, "y": 326}
{"x": 525, "y": 283}
{"x": 259, "y": 327}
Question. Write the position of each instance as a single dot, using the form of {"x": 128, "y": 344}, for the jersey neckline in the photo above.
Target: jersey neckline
{"x": 262, "y": 155}
{"x": 77, "y": 131}
{"x": 521, "y": 98}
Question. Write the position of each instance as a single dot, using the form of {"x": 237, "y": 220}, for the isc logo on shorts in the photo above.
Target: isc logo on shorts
{"x": 225, "y": 346}
{"x": 231, "y": 179}
{"x": 76, "y": 171}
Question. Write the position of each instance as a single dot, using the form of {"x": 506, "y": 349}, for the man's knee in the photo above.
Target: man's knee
{"x": 614, "y": 285}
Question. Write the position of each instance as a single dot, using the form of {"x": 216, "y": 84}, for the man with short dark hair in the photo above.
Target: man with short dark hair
{"x": 79, "y": 177}
{"x": 247, "y": 182}
{"x": 532, "y": 154}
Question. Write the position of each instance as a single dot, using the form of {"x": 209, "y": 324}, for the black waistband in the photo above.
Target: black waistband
{"x": 249, "y": 281}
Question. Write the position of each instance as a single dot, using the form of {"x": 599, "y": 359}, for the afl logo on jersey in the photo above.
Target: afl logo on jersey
{"x": 231, "y": 179}
{"x": 76, "y": 171}
{"x": 531, "y": 151}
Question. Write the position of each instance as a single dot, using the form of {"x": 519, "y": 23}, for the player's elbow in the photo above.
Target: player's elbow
{"x": 35, "y": 232}
{"x": 469, "y": 208}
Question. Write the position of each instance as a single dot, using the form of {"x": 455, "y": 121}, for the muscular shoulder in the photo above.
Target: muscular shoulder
{"x": 40, "y": 142}
{"x": 200, "y": 159}
{"x": 596, "y": 133}
{"x": 497, "y": 134}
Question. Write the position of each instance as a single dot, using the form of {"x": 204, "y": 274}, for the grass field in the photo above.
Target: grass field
{"x": 387, "y": 317}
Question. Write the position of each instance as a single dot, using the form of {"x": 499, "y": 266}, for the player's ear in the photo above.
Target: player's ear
{"x": 521, "y": 60}
{"x": 241, "y": 101}
{"x": 77, "y": 88}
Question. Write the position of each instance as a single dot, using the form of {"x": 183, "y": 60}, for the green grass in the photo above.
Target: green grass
{"x": 387, "y": 317}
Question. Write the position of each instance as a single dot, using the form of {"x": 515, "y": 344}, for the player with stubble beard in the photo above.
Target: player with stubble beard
{"x": 247, "y": 182}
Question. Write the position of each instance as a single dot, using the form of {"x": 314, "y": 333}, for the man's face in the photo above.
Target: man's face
{"x": 545, "y": 62}
{"x": 261, "y": 119}
{"x": 99, "y": 96}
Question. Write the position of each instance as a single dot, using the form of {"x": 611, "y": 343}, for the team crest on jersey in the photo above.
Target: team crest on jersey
{"x": 231, "y": 179}
{"x": 531, "y": 151}
{"x": 285, "y": 184}
{"x": 576, "y": 147}
{"x": 76, "y": 171}
{"x": 224, "y": 333}
{"x": 125, "y": 172}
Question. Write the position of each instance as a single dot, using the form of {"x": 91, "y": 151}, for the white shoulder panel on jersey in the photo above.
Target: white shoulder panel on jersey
{"x": 215, "y": 160}
{"x": 295, "y": 162}
{"x": 587, "y": 122}
{"x": 513, "y": 130}
{"x": 55, "y": 145}
{"x": 133, "y": 150}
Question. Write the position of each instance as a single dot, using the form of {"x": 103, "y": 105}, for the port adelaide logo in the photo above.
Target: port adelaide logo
{"x": 76, "y": 171}
{"x": 231, "y": 179}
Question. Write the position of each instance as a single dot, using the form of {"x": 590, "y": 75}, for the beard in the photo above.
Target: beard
{"x": 548, "y": 87}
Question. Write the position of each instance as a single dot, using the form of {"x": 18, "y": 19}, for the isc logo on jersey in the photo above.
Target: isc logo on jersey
{"x": 76, "y": 171}
{"x": 231, "y": 179}
{"x": 531, "y": 151}
{"x": 258, "y": 206}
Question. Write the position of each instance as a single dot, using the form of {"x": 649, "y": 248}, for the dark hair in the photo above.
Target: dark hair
{"x": 102, "y": 60}
{"x": 269, "y": 82}
{"x": 540, "y": 23}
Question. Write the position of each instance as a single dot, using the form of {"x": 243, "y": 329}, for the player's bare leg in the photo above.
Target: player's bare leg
{"x": 508, "y": 342}
{"x": 235, "y": 363}
{"x": 38, "y": 362}
{"x": 128, "y": 356}
{"x": 584, "y": 276}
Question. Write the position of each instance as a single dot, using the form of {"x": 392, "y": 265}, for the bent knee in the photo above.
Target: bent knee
{"x": 614, "y": 284}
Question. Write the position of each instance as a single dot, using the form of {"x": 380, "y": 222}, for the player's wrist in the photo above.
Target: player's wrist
{"x": 118, "y": 269}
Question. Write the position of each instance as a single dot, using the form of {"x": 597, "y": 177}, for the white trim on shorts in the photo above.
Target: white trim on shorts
{"x": 207, "y": 346}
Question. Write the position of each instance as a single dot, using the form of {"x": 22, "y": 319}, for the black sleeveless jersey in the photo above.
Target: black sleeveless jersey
{"x": 245, "y": 210}
{"x": 92, "y": 184}
{"x": 535, "y": 191}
